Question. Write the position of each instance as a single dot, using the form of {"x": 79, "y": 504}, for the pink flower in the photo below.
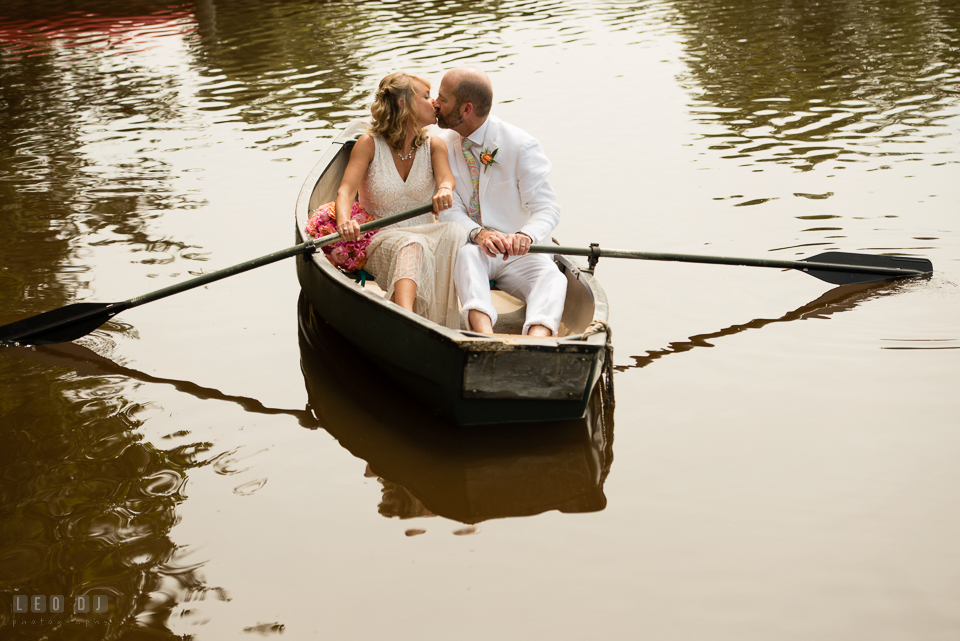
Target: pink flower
{"x": 346, "y": 256}
{"x": 338, "y": 254}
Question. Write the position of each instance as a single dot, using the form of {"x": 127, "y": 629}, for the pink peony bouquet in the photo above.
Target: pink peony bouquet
{"x": 346, "y": 256}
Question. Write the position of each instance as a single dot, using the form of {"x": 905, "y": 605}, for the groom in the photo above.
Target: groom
{"x": 505, "y": 203}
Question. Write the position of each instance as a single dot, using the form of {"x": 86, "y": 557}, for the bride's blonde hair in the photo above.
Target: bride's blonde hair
{"x": 394, "y": 109}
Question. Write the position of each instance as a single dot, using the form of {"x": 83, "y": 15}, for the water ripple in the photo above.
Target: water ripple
{"x": 809, "y": 90}
{"x": 91, "y": 33}
{"x": 88, "y": 507}
{"x": 248, "y": 488}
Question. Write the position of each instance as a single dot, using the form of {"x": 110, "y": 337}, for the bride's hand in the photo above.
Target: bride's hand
{"x": 443, "y": 199}
{"x": 349, "y": 230}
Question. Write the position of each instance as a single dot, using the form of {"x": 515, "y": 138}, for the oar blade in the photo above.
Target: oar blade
{"x": 845, "y": 259}
{"x": 60, "y": 325}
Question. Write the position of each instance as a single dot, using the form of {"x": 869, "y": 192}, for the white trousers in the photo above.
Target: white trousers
{"x": 533, "y": 278}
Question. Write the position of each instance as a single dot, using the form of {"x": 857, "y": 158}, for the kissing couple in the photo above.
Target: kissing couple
{"x": 488, "y": 181}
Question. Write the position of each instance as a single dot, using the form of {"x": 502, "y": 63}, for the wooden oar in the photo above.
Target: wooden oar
{"x": 839, "y": 268}
{"x": 73, "y": 321}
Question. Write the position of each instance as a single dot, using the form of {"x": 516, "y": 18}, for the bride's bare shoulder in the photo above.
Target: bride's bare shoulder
{"x": 364, "y": 147}
{"x": 437, "y": 143}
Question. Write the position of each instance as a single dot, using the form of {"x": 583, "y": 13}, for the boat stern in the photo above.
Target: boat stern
{"x": 504, "y": 371}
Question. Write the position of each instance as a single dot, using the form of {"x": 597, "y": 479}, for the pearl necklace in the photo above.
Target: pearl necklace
{"x": 413, "y": 150}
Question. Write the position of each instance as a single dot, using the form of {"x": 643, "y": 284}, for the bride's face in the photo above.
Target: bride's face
{"x": 426, "y": 114}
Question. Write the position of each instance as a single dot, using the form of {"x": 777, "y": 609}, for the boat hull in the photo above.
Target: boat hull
{"x": 469, "y": 378}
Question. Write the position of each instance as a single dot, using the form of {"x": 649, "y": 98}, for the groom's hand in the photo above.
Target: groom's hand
{"x": 517, "y": 244}
{"x": 492, "y": 243}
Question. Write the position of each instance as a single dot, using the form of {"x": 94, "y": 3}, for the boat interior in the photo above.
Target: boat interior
{"x": 579, "y": 308}
{"x": 512, "y": 311}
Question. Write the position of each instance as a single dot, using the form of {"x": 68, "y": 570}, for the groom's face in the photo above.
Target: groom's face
{"x": 449, "y": 109}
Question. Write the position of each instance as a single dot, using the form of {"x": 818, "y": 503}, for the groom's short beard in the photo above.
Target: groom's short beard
{"x": 444, "y": 123}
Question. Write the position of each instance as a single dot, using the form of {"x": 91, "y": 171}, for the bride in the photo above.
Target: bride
{"x": 394, "y": 167}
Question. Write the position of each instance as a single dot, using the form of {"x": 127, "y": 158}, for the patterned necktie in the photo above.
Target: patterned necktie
{"x": 474, "y": 209}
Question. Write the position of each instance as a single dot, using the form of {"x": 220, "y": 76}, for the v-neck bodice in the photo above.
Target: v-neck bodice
{"x": 383, "y": 192}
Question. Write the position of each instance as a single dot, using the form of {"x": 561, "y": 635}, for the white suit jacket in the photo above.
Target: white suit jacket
{"x": 515, "y": 194}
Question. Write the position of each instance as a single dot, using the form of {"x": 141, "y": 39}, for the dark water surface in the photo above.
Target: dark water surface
{"x": 785, "y": 460}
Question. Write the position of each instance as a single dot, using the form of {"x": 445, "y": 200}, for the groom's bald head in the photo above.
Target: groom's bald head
{"x": 463, "y": 100}
{"x": 469, "y": 84}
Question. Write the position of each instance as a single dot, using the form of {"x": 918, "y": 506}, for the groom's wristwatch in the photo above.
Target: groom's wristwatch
{"x": 474, "y": 233}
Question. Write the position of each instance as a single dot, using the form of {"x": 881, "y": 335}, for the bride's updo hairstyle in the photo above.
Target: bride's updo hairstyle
{"x": 394, "y": 109}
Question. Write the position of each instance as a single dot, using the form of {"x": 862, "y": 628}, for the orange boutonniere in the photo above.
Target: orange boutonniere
{"x": 488, "y": 158}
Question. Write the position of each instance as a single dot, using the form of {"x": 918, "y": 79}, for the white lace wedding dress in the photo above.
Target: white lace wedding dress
{"x": 420, "y": 248}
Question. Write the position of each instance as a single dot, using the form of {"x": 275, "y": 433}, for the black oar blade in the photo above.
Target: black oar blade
{"x": 840, "y": 276}
{"x": 60, "y": 325}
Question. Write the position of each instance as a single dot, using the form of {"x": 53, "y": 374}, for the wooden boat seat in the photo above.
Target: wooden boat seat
{"x": 511, "y": 312}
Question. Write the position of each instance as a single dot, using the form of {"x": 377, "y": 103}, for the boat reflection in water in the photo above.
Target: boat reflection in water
{"x": 429, "y": 466}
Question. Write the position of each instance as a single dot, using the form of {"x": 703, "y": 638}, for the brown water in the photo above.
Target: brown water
{"x": 785, "y": 456}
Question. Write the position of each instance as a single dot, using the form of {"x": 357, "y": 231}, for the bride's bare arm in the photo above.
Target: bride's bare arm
{"x": 443, "y": 199}
{"x": 360, "y": 159}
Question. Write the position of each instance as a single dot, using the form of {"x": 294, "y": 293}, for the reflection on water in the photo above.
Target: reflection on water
{"x": 75, "y": 93}
{"x": 68, "y": 99}
{"x": 86, "y": 507}
{"x": 27, "y": 36}
{"x": 98, "y": 104}
{"x": 804, "y": 83}
{"x": 112, "y": 115}
{"x": 430, "y": 467}
{"x": 835, "y": 301}
{"x": 86, "y": 362}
